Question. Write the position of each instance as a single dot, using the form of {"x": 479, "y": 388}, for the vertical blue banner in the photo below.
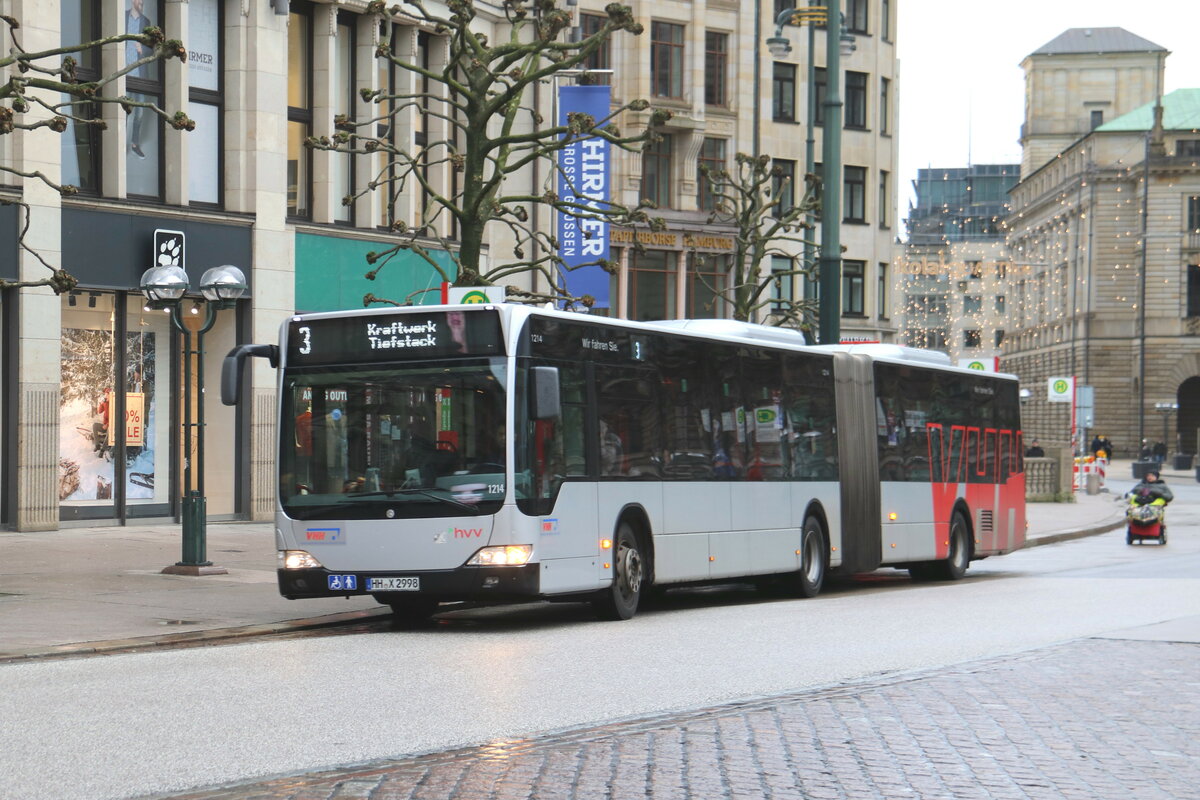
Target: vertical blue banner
{"x": 584, "y": 179}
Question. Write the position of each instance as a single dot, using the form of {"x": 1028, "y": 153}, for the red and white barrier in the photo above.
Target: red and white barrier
{"x": 1088, "y": 466}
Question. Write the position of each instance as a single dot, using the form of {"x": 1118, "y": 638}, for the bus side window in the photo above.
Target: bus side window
{"x": 812, "y": 417}
{"x": 762, "y": 381}
{"x": 687, "y": 401}
{"x": 915, "y": 390}
{"x": 727, "y": 430}
{"x": 630, "y": 426}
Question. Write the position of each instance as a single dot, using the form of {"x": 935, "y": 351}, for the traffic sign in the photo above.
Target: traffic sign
{"x": 1060, "y": 389}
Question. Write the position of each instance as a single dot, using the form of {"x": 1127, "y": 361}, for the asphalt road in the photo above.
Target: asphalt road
{"x": 137, "y": 724}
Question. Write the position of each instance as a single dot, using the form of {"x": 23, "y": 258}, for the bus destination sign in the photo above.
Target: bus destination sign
{"x": 393, "y": 337}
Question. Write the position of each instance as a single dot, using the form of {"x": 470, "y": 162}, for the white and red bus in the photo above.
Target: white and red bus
{"x": 501, "y": 452}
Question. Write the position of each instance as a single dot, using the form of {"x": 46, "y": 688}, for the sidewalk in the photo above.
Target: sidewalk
{"x": 85, "y": 590}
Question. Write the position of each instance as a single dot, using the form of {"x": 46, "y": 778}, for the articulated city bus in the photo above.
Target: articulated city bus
{"x": 502, "y": 452}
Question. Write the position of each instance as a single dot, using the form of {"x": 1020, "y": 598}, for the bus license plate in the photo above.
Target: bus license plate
{"x": 407, "y": 584}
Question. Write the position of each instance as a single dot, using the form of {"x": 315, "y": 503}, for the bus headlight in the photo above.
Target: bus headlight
{"x": 297, "y": 559}
{"x": 506, "y": 555}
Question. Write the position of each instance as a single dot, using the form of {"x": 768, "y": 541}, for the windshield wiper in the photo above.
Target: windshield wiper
{"x": 424, "y": 493}
{"x": 311, "y": 512}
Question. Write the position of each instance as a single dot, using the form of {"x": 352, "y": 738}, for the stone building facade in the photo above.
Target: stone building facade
{"x": 1105, "y": 241}
{"x": 1079, "y": 80}
{"x": 698, "y": 59}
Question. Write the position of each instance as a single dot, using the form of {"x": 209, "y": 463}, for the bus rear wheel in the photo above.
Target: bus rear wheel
{"x": 620, "y": 601}
{"x": 813, "y": 559}
{"x": 957, "y": 560}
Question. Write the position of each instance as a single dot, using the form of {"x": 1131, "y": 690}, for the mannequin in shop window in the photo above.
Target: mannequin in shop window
{"x": 100, "y": 426}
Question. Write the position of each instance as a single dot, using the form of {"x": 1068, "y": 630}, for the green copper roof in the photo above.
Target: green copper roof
{"x": 1181, "y": 112}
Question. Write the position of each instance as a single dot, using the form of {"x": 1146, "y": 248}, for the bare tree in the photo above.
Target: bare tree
{"x": 483, "y": 96}
{"x": 758, "y": 200}
{"x": 37, "y": 76}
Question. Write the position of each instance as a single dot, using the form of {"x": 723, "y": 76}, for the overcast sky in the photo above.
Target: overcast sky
{"x": 962, "y": 87}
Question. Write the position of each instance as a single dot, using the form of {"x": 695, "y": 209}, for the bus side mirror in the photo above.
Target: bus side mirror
{"x": 546, "y": 404}
{"x": 231, "y": 368}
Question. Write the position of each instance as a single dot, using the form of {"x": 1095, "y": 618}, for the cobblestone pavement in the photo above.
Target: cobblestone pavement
{"x": 1094, "y": 719}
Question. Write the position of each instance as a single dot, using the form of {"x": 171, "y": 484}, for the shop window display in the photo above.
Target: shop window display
{"x": 91, "y": 428}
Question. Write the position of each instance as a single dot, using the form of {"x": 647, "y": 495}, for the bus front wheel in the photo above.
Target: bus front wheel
{"x": 409, "y": 611}
{"x": 620, "y": 601}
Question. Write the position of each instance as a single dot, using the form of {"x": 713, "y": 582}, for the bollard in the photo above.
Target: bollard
{"x": 1093, "y": 483}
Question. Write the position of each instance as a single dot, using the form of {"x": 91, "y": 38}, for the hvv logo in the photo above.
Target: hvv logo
{"x": 465, "y": 533}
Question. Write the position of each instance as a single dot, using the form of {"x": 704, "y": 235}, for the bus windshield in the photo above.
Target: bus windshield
{"x": 415, "y": 439}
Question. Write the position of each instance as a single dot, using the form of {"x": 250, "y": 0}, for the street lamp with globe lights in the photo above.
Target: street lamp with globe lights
{"x": 165, "y": 288}
{"x": 838, "y": 42}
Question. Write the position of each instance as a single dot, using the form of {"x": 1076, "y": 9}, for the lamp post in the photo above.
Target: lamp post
{"x": 165, "y": 288}
{"x": 838, "y": 42}
{"x": 1166, "y": 409}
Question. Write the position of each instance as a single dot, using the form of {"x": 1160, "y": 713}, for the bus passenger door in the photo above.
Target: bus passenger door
{"x": 552, "y": 468}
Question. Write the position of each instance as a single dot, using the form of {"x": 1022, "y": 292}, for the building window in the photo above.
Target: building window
{"x": 972, "y": 338}
{"x": 712, "y": 158}
{"x": 934, "y": 339}
{"x": 999, "y": 337}
{"x": 972, "y": 304}
{"x": 783, "y": 92}
{"x": 856, "y": 16}
{"x": 975, "y": 269}
{"x": 601, "y": 59}
{"x": 783, "y": 182}
{"x": 782, "y": 284}
{"x": 204, "y": 101}
{"x": 716, "y": 68}
{"x": 885, "y": 198}
{"x": 706, "y": 283}
{"x": 882, "y": 305}
{"x": 666, "y": 59}
{"x": 885, "y": 106}
{"x": 1193, "y": 214}
{"x": 855, "y": 205}
{"x": 856, "y": 100}
{"x": 1097, "y": 118}
{"x": 299, "y": 114}
{"x": 143, "y": 160}
{"x": 999, "y": 304}
{"x": 1187, "y": 147}
{"x": 853, "y": 276}
{"x": 819, "y": 84}
{"x": 79, "y": 23}
{"x": 1193, "y": 290}
{"x": 656, "y": 172}
{"x": 885, "y": 20}
{"x": 653, "y": 278}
